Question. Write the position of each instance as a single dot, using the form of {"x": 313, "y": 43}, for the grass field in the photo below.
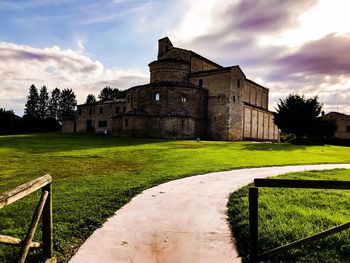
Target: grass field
{"x": 286, "y": 215}
{"x": 95, "y": 175}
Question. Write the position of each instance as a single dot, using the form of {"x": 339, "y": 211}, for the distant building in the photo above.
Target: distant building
{"x": 188, "y": 96}
{"x": 343, "y": 123}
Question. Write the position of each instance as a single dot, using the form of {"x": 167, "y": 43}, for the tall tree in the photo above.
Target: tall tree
{"x": 90, "y": 99}
{"x": 107, "y": 94}
{"x": 31, "y": 107}
{"x": 67, "y": 105}
{"x": 43, "y": 103}
{"x": 298, "y": 115}
{"x": 54, "y": 103}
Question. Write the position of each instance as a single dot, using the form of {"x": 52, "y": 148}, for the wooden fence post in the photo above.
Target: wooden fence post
{"x": 47, "y": 237}
{"x": 253, "y": 224}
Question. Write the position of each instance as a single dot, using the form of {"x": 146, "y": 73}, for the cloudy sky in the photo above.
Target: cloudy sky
{"x": 289, "y": 46}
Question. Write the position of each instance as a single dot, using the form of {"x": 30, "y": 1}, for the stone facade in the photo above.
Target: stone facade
{"x": 188, "y": 96}
{"x": 343, "y": 123}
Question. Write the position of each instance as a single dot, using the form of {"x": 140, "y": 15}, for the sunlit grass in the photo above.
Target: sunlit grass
{"x": 95, "y": 175}
{"x": 286, "y": 215}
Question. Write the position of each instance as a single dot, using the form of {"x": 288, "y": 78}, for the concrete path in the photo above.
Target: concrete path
{"x": 183, "y": 221}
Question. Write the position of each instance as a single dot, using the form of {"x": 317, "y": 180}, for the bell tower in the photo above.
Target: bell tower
{"x": 164, "y": 45}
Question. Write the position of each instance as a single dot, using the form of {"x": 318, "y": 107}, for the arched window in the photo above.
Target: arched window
{"x": 157, "y": 97}
{"x": 183, "y": 98}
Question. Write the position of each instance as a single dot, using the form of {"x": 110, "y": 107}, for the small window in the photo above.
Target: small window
{"x": 117, "y": 110}
{"x": 219, "y": 98}
{"x": 348, "y": 128}
{"x": 79, "y": 111}
{"x": 183, "y": 98}
{"x": 182, "y": 124}
{"x": 102, "y": 124}
{"x": 126, "y": 122}
{"x": 157, "y": 97}
{"x": 101, "y": 110}
{"x": 124, "y": 109}
{"x": 233, "y": 99}
{"x": 238, "y": 83}
{"x": 200, "y": 83}
{"x": 166, "y": 48}
{"x": 90, "y": 111}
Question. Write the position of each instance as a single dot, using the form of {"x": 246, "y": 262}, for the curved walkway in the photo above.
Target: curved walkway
{"x": 182, "y": 221}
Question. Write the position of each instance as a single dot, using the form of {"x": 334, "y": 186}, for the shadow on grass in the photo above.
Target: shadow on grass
{"x": 56, "y": 142}
{"x": 263, "y": 146}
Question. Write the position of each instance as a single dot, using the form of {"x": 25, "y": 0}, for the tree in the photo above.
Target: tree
{"x": 67, "y": 104}
{"x": 90, "y": 99}
{"x": 31, "y": 107}
{"x": 54, "y": 104}
{"x": 107, "y": 94}
{"x": 298, "y": 115}
{"x": 9, "y": 121}
{"x": 43, "y": 103}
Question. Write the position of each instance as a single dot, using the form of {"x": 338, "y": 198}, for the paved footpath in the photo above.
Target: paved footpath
{"x": 182, "y": 221}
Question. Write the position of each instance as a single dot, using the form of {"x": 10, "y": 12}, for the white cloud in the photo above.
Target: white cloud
{"x": 21, "y": 66}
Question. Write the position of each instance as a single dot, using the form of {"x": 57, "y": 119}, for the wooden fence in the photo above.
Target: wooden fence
{"x": 254, "y": 257}
{"x": 43, "y": 208}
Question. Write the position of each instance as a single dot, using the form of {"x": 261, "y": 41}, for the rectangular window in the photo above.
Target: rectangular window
{"x": 348, "y": 128}
{"x": 90, "y": 111}
{"x": 102, "y": 124}
{"x": 117, "y": 110}
{"x": 79, "y": 111}
{"x": 124, "y": 109}
{"x": 200, "y": 83}
{"x": 101, "y": 110}
{"x": 126, "y": 122}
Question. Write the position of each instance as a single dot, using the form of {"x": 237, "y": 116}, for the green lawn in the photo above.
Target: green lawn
{"x": 95, "y": 175}
{"x": 286, "y": 215}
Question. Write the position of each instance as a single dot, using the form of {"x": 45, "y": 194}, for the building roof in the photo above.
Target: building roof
{"x": 253, "y": 82}
{"x": 165, "y": 84}
{"x": 217, "y": 70}
{"x": 103, "y": 103}
{"x": 338, "y": 113}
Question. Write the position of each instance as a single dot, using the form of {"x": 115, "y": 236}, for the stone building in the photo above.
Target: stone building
{"x": 343, "y": 123}
{"x": 188, "y": 96}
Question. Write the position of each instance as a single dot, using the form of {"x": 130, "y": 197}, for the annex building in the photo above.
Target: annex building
{"x": 189, "y": 96}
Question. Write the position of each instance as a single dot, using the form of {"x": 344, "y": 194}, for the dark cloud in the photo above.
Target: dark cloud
{"x": 329, "y": 55}
{"x": 267, "y": 15}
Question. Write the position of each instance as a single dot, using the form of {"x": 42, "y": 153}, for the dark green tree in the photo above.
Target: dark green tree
{"x": 299, "y": 115}
{"x": 54, "y": 104}
{"x": 67, "y": 105}
{"x": 31, "y": 107}
{"x": 90, "y": 99}
{"x": 107, "y": 94}
{"x": 9, "y": 121}
{"x": 43, "y": 103}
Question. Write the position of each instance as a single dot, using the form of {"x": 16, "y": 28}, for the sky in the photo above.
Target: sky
{"x": 286, "y": 45}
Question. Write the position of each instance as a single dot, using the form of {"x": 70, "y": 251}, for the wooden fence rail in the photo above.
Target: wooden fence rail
{"x": 43, "y": 209}
{"x": 253, "y": 197}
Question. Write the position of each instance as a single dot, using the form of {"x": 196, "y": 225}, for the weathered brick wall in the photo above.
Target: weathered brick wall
{"x": 169, "y": 70}
{"x": 255, "y": 95}
{"x": 177, "y": 53}
{"x": 218, "y": 86}
{"x": 259, "y": 125}
{"x": 343, "y": 122}
{"x": 199, "y": 64}
{"x": 93, "y": 113}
